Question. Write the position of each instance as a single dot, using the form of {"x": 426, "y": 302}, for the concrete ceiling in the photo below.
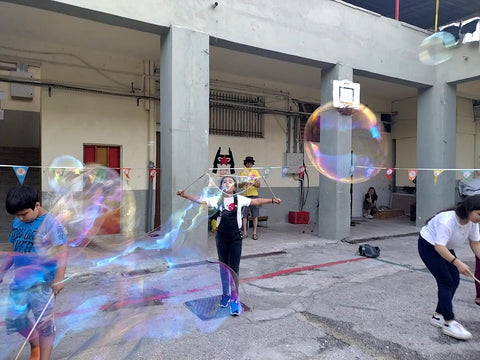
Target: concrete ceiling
{"x": 45, "y": 26}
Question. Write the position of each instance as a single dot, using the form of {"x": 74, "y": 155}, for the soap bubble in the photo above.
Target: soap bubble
{"x": 362, "y": 130}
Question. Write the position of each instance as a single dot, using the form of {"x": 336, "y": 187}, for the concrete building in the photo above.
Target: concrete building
{"x": 87, "y": 78}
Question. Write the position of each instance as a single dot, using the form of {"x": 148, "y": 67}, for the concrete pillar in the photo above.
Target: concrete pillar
{"x": 334, "y": 196}
{"x": 184, "y": 120}
{"x": 436, "y": 133}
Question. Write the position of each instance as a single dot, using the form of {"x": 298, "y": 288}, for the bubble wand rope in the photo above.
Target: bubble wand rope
{"x": 201, "y": 176}
{"x": 275, "y": 196}
{"x": 40, "y": 317}
{"x": 474, "y": 278}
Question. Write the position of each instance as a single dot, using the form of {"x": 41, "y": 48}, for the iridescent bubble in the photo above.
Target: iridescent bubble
{"x": 64, "y": 172}
{"x": 362, "y": 130}
{"x": 94, "y": 206}
{"x": 437, "y": 48}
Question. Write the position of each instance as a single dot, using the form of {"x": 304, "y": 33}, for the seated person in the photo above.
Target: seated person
{"x": 370, "y": 203}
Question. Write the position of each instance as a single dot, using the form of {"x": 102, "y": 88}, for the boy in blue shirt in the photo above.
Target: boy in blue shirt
{"x": 39, "y": 257}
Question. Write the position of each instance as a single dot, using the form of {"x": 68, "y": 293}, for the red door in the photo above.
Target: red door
{"x": 109, "y": 156}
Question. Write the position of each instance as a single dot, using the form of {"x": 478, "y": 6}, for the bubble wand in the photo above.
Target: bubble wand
{"x": 275, "y": 196}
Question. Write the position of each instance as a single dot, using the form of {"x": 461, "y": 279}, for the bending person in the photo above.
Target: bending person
{"x": 436, "y": 245}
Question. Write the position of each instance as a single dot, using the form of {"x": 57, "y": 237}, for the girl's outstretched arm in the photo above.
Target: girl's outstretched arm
{"x": 264, "y": 201}
{"x": 190, "y": 197}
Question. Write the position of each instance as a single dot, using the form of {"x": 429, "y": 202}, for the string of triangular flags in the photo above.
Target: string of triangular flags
{"x": 467, "y": 174}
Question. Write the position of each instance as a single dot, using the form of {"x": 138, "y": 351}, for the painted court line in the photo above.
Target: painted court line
{"x": 144, "y": 300}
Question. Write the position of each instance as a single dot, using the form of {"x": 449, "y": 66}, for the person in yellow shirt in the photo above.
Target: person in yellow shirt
{"x": 249, "y": 184}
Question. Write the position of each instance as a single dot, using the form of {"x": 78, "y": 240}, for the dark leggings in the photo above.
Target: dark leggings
{"x": 477, "y": 275}
{"x": 229, "y": 252}
{"x": 446, "y": 275}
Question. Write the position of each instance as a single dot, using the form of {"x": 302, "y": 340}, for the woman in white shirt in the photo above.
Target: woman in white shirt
{"x": 436, "y": 246}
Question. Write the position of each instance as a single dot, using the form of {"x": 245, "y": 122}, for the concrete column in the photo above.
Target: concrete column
{"x": 436, "y": 133}
{"x": 184, "y": 120}
{"x": 334, "y": 196}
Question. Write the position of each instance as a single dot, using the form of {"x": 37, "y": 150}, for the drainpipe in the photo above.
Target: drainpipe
{"x": 150, "y": 107}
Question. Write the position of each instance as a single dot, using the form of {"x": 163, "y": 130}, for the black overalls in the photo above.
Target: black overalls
{"x": 229, "y": 247}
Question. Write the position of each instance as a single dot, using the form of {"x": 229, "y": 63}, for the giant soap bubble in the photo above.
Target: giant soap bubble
{"x": 90, "y": 201}
{"x": 326, "y": 129}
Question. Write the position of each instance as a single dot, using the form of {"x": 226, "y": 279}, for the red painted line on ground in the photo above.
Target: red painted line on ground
{"x": 128, "y": 302}
{"x": 298, "y": 269}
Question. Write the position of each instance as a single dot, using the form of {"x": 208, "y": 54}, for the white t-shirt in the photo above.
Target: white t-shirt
{"x": 444, "y": 229}
{"x": 228, "y": 203}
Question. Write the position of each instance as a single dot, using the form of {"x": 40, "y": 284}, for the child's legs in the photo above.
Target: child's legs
{"x": 244, "y": 219}
{"x": 43, "y": 300}
{"x": 222, "y": 252}
{"x": 446, "y": 275}
{"x": 17, "y": 315}
{"x": 235, "y": 253}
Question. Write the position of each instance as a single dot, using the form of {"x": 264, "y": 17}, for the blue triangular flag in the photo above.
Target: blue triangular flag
{"x": 21, "y": 172}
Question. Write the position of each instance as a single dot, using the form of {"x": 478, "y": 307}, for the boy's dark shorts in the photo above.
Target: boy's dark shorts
{"x": 21, "y": 301}
{"x": 253, "y": 209}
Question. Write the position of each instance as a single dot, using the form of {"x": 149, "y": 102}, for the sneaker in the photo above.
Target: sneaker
{"x": 235, "y": 307}
{"x": 364, "y": 215}
{"x": 456, "y": 330}
{"x": 224, "y": 301}
{"x": 437, "y": 320}
{"x": 370, "y": 216}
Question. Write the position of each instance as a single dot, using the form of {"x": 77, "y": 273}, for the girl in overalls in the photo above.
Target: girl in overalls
{"x": 229, "y": 235}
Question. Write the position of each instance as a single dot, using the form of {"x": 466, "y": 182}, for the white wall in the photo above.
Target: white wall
{"x": 405, "y": 133}
{"x": 70, "y": 119}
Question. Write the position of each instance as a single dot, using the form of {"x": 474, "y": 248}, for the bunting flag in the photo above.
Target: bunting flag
{"x": 266, "y": 172}
{"x": 389, "y": 173}
{"x": 302, "y": 171}
{"x": 58, "y": 171}
{"x": 284, "y": 171}
{"x": 436, "y": 173}
{"x": 467, "y": 174}
{"x": 21, "y": 172}
{"x": 153, "y": 173}
{"x": 412, "y": 174}
{"x": 126, "y": 171}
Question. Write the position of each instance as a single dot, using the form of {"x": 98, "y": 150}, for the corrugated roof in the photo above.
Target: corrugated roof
{"x": 421, "y": 13}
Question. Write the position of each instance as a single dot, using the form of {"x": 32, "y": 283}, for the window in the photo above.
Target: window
{"x": 235, "y": 114}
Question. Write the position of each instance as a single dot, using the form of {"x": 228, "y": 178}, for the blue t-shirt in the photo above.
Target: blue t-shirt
{"x": 33, "y": 246}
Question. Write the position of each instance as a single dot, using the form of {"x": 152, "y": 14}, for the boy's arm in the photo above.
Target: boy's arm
{"x": 61, "y": 257}
{"x": 6, "y": 263}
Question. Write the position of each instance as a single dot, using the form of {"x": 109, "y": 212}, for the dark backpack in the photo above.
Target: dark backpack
{"x": 369, "y": 250}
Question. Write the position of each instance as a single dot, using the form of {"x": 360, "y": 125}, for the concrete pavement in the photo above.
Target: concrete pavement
{"x": 306, "y": 298}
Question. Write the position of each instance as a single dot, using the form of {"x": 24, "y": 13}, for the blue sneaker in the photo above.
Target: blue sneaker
{"x": 224, "y": 301}
{"x": 235, "y": 307}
